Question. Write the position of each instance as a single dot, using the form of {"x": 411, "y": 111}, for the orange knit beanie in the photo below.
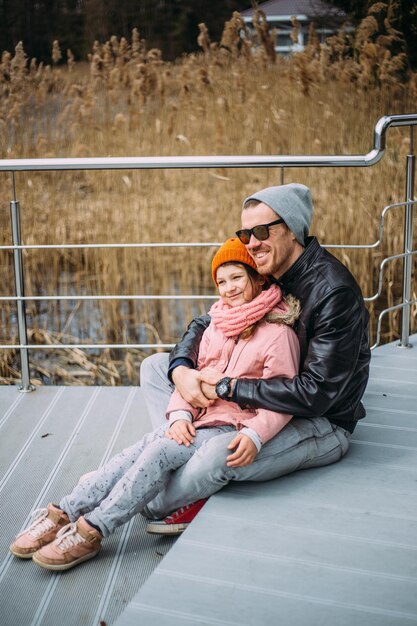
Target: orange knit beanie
{"x": 232, "y": 250}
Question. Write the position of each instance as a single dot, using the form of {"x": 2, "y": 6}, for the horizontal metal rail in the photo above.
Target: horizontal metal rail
{"x": 170, "y": 297}
{"x": 196, "y": 162}
{"x": 190, "y": 244}
{"x": 92, "y": 346}
{"x": 109, "y": 297}
{"x": 76, "y": 246}
{"x": 55, "y": 297}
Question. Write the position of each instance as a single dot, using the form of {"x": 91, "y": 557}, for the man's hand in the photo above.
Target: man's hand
{"x": 188, "y": 383}
{"x": 244, "y": 453}
{"x": 181, "y": 431}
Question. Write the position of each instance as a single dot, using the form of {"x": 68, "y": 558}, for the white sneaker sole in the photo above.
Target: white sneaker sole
{"x": 155, "y": 528}
{"x": 26, "y": 555}
{"x": 64, "y": 566}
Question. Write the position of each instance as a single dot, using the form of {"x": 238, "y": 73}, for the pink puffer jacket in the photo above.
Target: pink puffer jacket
{"x": 273, "y": 350}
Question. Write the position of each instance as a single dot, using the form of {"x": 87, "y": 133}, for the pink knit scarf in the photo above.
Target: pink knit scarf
{"x": 233, "y": 320}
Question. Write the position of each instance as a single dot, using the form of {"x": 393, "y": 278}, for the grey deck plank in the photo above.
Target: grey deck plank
{"x": 334, "y": 545}
{"x": 391, "y": 401}
{"x": 400, "y": 388}
{"x": 399, "y": 374}
{"x": 399, "y": 436}
{"x": 85, "y": 426}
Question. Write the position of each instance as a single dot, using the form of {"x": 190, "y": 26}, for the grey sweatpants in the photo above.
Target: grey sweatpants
{"x": 302, "y": 444}
{"x": 123, "y": 486}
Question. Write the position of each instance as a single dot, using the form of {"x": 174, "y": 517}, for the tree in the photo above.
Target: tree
{"x": 403, "y": 17}
{"x": 38, "y": 24}
{"x": 171, "y": 25}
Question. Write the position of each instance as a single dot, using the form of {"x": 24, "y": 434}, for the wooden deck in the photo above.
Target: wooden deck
{"x": 335, "y": 545}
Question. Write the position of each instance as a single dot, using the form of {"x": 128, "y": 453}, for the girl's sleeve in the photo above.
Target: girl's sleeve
{"x": 282, "y": 358}
{"x": 177, "y": 402}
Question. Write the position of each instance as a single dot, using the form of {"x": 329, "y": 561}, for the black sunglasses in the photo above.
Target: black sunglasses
{"x": 260, "y": 232}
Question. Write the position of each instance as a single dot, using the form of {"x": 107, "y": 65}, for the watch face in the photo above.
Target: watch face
{"x": 222, "y": 388}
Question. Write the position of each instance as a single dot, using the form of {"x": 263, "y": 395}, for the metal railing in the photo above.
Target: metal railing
{"x": 185, "y": 162}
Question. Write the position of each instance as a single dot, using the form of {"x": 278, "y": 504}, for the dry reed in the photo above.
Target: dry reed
{"x": 235, "y": 97}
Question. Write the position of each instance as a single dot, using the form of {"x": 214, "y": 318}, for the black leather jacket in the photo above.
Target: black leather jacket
{"x": 333, "y": 335}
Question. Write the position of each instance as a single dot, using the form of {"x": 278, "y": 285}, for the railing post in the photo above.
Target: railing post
{"x": 26, "y": 385}
{"x": 408, "y": 246}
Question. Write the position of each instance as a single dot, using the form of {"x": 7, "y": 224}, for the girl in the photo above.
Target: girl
{"x": 249, "y": 335}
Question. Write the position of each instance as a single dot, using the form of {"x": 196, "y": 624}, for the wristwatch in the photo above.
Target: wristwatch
{"x": 223, "y": 388}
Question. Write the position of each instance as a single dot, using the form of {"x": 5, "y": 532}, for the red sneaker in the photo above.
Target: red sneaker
{"x": 178, "y": 521}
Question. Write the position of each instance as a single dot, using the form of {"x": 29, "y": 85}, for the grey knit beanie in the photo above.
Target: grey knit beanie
{"x": 292, "y": 202}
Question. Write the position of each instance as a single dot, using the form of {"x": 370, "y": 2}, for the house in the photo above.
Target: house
{"x": 326, "y": 18}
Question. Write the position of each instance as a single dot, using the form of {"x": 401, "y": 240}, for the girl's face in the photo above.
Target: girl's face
{"x": 235, "y": 285}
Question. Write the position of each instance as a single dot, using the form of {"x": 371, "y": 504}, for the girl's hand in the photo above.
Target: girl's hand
{"x": 182, "y": 432}
{"x": 245, "y": 452}
{"x": 209, "y": 391}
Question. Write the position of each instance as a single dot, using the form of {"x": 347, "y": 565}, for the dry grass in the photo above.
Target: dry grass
{"x": 230, "y": 99}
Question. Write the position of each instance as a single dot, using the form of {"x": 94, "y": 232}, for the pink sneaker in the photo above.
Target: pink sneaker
{"x": 178, "y": 521}
{"x": 44, "y": 528}
{"x": 74, "y": 544}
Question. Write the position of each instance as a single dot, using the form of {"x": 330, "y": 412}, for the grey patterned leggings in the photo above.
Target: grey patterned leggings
{"x": 123, "y": 486}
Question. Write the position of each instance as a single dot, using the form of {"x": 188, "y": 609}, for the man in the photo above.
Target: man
{"x": 324, "y": 398}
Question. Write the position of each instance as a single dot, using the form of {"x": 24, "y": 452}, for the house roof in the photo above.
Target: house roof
{"x": 310, "y": 8}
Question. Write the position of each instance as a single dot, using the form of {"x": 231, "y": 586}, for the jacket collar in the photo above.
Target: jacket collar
{"x": 311, "y": 251}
